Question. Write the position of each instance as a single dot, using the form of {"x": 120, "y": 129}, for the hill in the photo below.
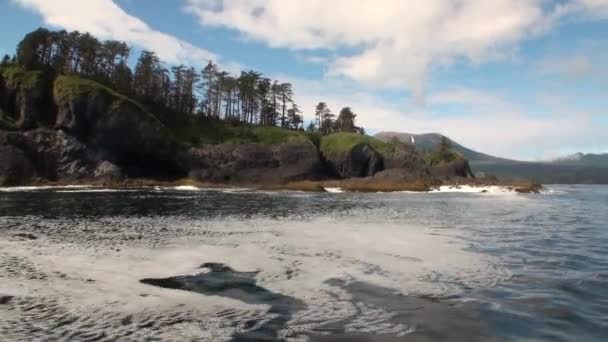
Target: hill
{"x": 576, "y": 169}
{"x": 430, "y": 142}
{"x": 582, "y": 159}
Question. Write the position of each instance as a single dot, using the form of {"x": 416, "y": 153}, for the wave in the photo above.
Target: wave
{"x": 42, "y": 188}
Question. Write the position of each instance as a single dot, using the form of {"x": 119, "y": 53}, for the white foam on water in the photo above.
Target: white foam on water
{"x": 44, "y": 187}
{"x": 294, "y": 258}
{"x": 93, "y": 190}
{"x": 501, "y": 190}
{"x": 185, "y": 188}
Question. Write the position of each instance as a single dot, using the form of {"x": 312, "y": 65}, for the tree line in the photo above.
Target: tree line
{"x": 211, "y": 92}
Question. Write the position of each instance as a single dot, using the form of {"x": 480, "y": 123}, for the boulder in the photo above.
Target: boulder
{"x": 360, "y": 161}
{"x": 59, "y": 155}
{"x": 456, "y": 169}
{"x": 107, "y": 171}
{"x": 255, "y": 162}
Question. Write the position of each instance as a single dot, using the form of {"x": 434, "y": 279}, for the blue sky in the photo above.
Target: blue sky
{"x": 516, "y": 78}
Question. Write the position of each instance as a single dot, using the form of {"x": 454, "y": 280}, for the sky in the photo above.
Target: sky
{"x": 523, "y": 79}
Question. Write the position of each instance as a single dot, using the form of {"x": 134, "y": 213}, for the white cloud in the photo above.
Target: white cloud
{"x": 572, "y": 67}
{"x": 105, "y": 19}
{"x": 396, "y": 42}
{"x": 488, "y": 122}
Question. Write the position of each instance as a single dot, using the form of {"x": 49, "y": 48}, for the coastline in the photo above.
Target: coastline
{"x": 353, "y": 185}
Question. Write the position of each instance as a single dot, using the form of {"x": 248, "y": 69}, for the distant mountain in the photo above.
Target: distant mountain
{"x": 598, "y": 160}
{"x": 430, "y": 141}
{"x": 575, "y": 169}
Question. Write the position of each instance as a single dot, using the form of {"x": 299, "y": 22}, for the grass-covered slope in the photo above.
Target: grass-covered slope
{"x": 338, "y": 143}
{"x": 198, "y": 130}
{"x": 16, "y": 77}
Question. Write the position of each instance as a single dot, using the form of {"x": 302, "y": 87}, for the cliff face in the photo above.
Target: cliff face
{"x": 79, "y": 130}
{"x": 255, "y": 163}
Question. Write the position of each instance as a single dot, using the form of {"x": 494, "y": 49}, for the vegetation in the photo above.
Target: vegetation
{"x": 443, "y": 154}
{"x": 18, "y": 77}
{"x": 70, "y": 87}
{"x": 343, "y": 142}
{"x": 198, "y": 106}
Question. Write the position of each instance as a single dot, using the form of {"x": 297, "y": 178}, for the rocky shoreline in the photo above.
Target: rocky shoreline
{"x": 77, "y": 131}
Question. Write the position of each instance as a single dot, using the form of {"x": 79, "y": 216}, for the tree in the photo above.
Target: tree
{"x": 311, "y": 127}
{"x": 346, "y": 121}
{"x": 6, "y": 60}
{"x": 294, "y": 117}
{"x": 324, "y": 118}
{"x": 444, "y": 145}
{"x": 208, "y": 89}
{"x": 146, "y": 77}
{"x": 319, "y": 111}
{"x": 286, "y": 93}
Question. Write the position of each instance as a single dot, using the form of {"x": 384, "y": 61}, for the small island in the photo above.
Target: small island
{"x": 73, "y": 112}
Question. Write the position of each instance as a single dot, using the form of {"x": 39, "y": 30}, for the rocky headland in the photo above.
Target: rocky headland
{"x": 70, "y": 130}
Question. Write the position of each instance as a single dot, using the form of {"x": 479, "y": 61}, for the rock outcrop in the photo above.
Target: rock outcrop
{"x": 118, "y": 129}
{"x": 255, "y": 163}
{"x": 458, "y": 168}
{"x": 16, "y": 166}
{"x": 403, "y": 164}
{"x": 360, "y": 161}
{"x": 27, "y": 95}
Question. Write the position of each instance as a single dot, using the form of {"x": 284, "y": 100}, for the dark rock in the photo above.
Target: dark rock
{"x": 123, "y": 133}
{"x": 402, "y": 175}
{"x": 456, "y": 169}
{"x": 15, "y": 167}
{"x": 403, "y": 164}
{"x": 361, "y": 161}
{"x": 60, "y": 156}
{"x": 31, "y": 104}
{"x": 255, "y": 162}
{"x": 107, "y": 170}
{"x": 5, "y": 299}
{"x": 27, "y": 236}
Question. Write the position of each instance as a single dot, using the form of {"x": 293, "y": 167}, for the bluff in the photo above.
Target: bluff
{"x": 69, "y": 129}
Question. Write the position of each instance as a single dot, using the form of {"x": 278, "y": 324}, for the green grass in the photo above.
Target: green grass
{"x": 343, "y": 142}
{"x": 67, "y": 88}
{"x": 441, "y": 157}
{"x": 279, "y": 136}
{"x": 197, "y": 130}
{"x": 17, "y": 77}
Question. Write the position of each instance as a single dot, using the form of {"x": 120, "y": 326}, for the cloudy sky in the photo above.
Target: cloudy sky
{"x": 524, "y": 79}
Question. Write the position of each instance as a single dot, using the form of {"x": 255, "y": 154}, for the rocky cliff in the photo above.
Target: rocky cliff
{"x": 75, "y": 130}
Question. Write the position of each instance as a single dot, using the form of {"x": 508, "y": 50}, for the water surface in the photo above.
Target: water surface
{"x": 237, "y": 265}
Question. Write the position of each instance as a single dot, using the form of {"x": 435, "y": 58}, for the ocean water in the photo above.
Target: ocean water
{"x": 181, "y": 264}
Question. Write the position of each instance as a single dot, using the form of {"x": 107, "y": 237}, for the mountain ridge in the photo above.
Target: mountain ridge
{"x": 579, "y": 168}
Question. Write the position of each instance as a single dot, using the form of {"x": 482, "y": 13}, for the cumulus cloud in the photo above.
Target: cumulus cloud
{"x": 105, "y": 19}
{"x": 488, "y": 122}
{"x": 396, "y": 43}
